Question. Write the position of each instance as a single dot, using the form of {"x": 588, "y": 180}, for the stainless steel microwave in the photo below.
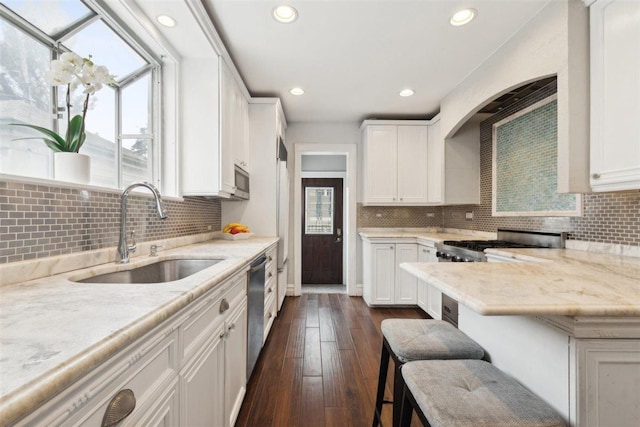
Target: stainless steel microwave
{"x": 241, "y": 180}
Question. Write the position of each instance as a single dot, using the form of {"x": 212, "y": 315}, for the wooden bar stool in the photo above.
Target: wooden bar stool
{"x": 407, "y": 340}
{"x": 456, "y": 393}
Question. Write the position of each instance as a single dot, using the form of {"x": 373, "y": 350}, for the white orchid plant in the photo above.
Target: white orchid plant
{"x": 73, "y": 71}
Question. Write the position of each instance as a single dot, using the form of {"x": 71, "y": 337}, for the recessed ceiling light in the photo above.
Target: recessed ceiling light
{"x": 285, "y": 13}
{"x": 406, "y": 92}
{"x": 167, "y": 21}
{"x": 463, "y": 17}
{"x": 296, "y": 91}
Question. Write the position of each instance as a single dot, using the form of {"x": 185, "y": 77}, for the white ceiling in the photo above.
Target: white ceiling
{"x": 352, "y": 57}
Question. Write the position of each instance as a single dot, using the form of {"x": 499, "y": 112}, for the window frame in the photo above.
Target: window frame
{"x": 55, "y": 44}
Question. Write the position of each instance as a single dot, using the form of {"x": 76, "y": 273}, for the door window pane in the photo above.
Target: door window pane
{"x": 319, "y": 210}
{"x": 25, "y": 98}
{"x": 50, "y": 16}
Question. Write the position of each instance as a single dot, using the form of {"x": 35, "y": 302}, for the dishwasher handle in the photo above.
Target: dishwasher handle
{"x": 258, "y": 264}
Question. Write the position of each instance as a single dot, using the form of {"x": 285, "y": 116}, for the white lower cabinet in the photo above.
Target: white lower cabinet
{"x": 385, "y": 283}
{"x": 235, "y": 363}
{"x": 434, "y": 302}
{"x": 608, "y": 382}
{"x": 429, "y": 298}
{"x": 189, "y": 371}
{"x": 406, "y": 286}
{"x": 202, "y": 385}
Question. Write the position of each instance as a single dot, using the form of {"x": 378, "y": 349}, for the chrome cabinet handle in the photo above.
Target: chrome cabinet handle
{"x": 119, "y": 408}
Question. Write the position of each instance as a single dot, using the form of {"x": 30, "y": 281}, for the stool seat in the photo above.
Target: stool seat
{"x": 425, "y": 339}
{"x": 457, "y": 393}
{"x": 406, "y": 340}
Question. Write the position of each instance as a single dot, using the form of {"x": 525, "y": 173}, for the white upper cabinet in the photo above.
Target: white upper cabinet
{"x": 380, "y": 164}
{"x": 206, "y": 167}
{"x": 235, "y": 120}
{"x": 615, "y": 95}
{"x": 435, "y": 164}
{"x": 395, "y": 163}
{"x": 410, "y": 163}
{"x": 216, "y": 130}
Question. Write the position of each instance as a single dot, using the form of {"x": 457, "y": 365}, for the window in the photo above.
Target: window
{"x": 319, "y": 210}
{"x": 122, "y": 133}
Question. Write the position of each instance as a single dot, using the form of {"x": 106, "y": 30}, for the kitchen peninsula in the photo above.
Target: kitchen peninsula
{"x": 564, "y": 322}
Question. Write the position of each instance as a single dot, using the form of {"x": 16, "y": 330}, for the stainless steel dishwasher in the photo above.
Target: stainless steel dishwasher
{"x": 255, "y": 308}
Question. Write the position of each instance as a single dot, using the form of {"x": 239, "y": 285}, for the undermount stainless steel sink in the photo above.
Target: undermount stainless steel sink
{"x": 159, "y": 272}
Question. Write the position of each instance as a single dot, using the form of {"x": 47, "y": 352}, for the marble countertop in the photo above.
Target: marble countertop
{"x": 565, "y": 282}
{"x": 436, "y": 235}
{"x": 54, "y": 331}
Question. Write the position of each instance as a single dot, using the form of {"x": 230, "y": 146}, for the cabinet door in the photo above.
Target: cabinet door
{"x": 425, "y": 254}
{"x": 412, "y": 164}
{"x": 228, "y": 100}
{"x": 435, "y": 164}
{"x": 202, "y": 385}
{"x": 381, "y": 173}
{"x": 406, "y": 291}
{"x": 434, "y": 302}
{"x": 615, "y": 95}
{"x": 608, "y": 382}
{"x": 235, "y": 371}
{"x": 240, "y": 128}
{"x": 383, "y": 271}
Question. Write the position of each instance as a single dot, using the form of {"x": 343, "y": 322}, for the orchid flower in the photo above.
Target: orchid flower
{"x": 73, "y": 71}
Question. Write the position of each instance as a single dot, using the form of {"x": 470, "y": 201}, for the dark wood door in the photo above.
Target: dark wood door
{"x": 322, "y": 232}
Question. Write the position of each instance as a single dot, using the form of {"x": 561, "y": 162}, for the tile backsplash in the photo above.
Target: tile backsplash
{"x": 38, "y": 221}
{"x": 607, "y": 217}
{"x": 389, "y": 217}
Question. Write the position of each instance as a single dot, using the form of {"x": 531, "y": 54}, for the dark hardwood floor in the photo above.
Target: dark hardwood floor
{"x": 319, "y": 366}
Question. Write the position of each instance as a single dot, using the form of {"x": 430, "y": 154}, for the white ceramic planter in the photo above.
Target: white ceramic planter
{"x": 72, "y": 167}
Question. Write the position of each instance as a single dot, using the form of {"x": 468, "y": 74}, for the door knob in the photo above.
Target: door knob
{"x": 338, "y": 239}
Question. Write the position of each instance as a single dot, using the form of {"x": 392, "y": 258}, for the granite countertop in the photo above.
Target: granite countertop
{"x": 436, "y": 235}
{"x": 565, "y": 282}
{"x": 54, "y": 331}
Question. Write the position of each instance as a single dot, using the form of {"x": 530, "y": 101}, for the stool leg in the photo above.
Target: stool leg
{"x": 398, "y": 392}
{"x": 382, "y": 379}
{"x": 406, "y": 409}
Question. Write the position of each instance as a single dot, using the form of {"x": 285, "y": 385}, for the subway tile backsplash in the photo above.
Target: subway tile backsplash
{"x": 38, "y": 221}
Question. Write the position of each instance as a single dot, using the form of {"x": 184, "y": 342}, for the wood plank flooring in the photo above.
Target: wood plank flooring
{"x": 319, "y": 366}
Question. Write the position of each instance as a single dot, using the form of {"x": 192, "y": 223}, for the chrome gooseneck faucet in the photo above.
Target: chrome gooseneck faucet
{"x": 123, "y": 247}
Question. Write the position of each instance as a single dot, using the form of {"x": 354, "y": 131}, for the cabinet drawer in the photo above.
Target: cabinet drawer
{"x": 147, "y": 369}
{"x": 207, "y": 315}
{"x": 271, "y": 268}
{"x": 270, "y": 311}
{"x": 270, "y": 288}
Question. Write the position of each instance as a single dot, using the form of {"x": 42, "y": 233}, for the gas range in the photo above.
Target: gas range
{"x": 473, "y": 250}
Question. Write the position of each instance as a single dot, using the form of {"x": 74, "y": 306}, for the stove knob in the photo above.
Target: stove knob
{"x": 459, "y": 259}
{"x": 438, "y": 254}
{"x": 468, "y": 260}
{"x": 445, "y": 255}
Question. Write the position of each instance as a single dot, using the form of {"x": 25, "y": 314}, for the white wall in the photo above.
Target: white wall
{"x": 555, "y": 42}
